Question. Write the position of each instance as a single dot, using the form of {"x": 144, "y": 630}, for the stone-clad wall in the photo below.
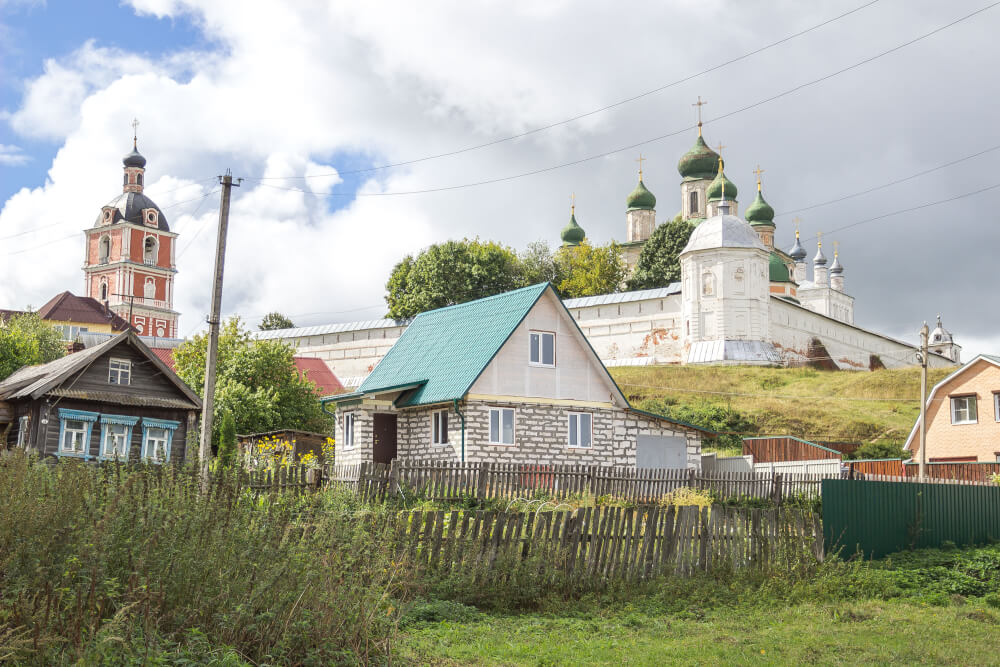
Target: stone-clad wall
{"x": 362, "y": 449}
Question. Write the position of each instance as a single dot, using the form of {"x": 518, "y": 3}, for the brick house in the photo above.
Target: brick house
{"x": 963, "y": 415}
{"x": 505, "y": 379}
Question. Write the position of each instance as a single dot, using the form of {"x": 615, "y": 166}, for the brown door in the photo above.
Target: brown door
{"x": 384, "y": 438}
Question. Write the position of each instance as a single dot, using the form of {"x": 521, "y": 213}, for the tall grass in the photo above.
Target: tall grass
{"x": 117, "y": 564}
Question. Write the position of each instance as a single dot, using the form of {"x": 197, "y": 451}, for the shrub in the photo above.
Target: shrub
{"x": 435, "y": 611}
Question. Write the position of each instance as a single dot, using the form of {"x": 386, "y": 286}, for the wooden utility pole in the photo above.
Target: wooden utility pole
{"x": 923, "y": 403}
{"x": 208, "y": 404}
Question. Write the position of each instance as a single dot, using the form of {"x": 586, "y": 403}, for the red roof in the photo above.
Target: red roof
{"x": 319, "y": 374}
{"x": 67, "y": 307}
{"x": 166, "y": 355}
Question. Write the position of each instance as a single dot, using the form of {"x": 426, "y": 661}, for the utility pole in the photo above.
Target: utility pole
{"x": 208, "y": 405}
{"x": 923, "y": 402}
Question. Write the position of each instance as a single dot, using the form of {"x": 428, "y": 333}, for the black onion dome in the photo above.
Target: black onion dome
{"x": 129, "y": 207}
{"x": 134, "y": 159}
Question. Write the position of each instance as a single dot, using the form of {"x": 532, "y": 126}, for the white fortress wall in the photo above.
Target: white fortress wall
{"x": 794, "y": 326}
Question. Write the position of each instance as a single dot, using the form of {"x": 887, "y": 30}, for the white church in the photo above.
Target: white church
{"x": 740, "y": 300}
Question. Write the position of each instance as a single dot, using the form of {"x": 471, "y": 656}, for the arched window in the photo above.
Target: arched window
{"x": 125, "y": 179}
{"x": 138, "y": 179}
{"x": 149, "y": 248}
{"x": 104, "y": 289}
{"x": 693, "y": 198}
{"x": 708, "y": 284}
{"x": 149, "y": 289}
{"x": 104, "y": 249}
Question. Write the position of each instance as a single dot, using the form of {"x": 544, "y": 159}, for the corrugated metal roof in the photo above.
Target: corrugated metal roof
{"x": 635, "y": 361}
{"x": 447, "y": 349}
{"x": 320, "y": 329}
{"x": 122, "y": 398}
{"x": 623, "y": 297}
{"x": 743, "y": 351}
{"x": 92, "y": 338}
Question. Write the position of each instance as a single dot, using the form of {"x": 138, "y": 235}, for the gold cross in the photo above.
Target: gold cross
{"x": 796, "y": 220}
{"x": 719, "y": 148}
{"x": 699, "y": 104}
{"x": 135, "y": 131}
{"x": 641, "y": 158}
{"x": 836, "y": 248}
{"x": 572, "y": 205}
{"x": 758, "y": 171}
{"x": 819, "y": 239}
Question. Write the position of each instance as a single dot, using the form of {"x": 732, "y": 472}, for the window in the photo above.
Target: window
{"x": 157, "y": 439}
{"x": 348, "y": 430}
{"x": 119, "y": 371}
{"x": 693, "y": 198}
{"x": 149, "y": 250}
{"x": 501, "y": 426}
{"x": 543, "y": 348}
{"x": 149, "y": 289}
{"x": 104, "y": 290}
{"x": 963, "y": 410}
{"x": 996, "y": 406}
{"x": 439, "y": 427}
{"x": 581, "y": 429}
{"x": 74, "y": 432}
{"x": 116, "y": 436}
{"x": 104, "y": 249}
{"x": 23, "y": 424}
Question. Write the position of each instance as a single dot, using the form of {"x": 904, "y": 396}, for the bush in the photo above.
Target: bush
{"x": 435, "y": 611}
{"x": 721, "y": 418}
{"x": 106, "y": 564}
{"x": 879, "y": 450}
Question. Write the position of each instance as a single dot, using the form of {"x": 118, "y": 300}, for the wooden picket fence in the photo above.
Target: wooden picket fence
{"x": 453, "y": 481}
{"x": 610, "y": 542}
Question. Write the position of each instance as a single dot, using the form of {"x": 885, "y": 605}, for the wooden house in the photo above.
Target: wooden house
{"x": 505, "y": 379}
{"x": 116, "y": 400}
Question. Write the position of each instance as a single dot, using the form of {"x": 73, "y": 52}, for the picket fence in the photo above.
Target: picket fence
{"x": 450, "y": 481}
{"x": 610, "y": 542}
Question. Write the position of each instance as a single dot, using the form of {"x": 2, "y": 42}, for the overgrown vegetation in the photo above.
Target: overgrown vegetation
{"x": 803, "y": 402}
{"x": 26, "y": 340}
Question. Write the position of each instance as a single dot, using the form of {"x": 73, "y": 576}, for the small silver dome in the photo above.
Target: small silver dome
{"x": 723, "y": 231}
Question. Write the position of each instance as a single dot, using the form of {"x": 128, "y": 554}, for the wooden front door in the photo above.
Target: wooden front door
{"x": 384, "y": 438}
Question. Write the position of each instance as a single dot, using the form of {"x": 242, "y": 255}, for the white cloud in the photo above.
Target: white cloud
{"x": 12, "y": 156}
{"x": 310, "y": 89}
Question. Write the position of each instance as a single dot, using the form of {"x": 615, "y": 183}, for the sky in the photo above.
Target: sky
{"x": 309, "y": 102}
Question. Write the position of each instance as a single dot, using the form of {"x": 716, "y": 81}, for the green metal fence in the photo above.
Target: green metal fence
{"x": 879, "y": 518}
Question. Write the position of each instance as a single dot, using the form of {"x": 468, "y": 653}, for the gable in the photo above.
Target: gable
{"x": 577, "y": 375}
{"x": 981, "y": 368}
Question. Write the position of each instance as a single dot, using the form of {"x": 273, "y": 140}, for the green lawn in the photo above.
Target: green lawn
{"x": 871, "y": 632}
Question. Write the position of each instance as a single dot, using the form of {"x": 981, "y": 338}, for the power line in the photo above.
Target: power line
{"x": 633, "y": 146}
{"x": 593, "y": 111}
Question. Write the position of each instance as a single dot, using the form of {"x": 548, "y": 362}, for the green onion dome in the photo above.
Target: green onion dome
{"x": 699, "y": 162}
{"x": 714, "y": 191}
{"x": 759, "y": 212}
{"x": 573, "y": 234}
{"x": 778, "y": 269}
{"x": 641, "y": 198}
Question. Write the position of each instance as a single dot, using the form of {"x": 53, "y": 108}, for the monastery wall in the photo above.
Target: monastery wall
{"x": 641, "y": 327}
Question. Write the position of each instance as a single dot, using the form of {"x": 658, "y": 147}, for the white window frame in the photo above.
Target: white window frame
{"x": 996, "y": 406}
{"x": 955, "y": 410}
{"x": 349, "y": 423}
{"x": 541, "y": 348}
{"x": 149, "y": 444}
{"x": 23, "y": 424}
{"x": 71, "y": 428}
{"x": 117, "y": 435}
{"x": 439, "y": 428}
{"x": 578, "y": 418}
{"x": 116, "y": 373}
{"x": 499, "y": 412}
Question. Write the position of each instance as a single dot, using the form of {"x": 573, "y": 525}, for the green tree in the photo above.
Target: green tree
{"x": 538, "y": 264}
{"x": 226, "y": 445}
{"x": 879, "y": 450}
{"x": 274, "y": 321}
{"x": 256, "y": 382}
{"x": 586, "y": 270}
{"x": 449, "y": 273}
{"x": 26, "y": 340}
{"x": 659, "y": 263}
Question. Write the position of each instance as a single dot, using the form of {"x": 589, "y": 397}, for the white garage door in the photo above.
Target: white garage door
{"x": 656, "y": 451}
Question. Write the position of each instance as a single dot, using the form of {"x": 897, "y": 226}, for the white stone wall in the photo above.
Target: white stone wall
{"x": 647, "y": 330}
{"x": 361, "y": 451}
{"x": 349, "y": 354}
{"x": 640, "y": 224}
{"x": 725, "y": 295}
{"x": 687, "y": 187}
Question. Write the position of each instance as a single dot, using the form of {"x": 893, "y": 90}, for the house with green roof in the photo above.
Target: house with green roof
{"x": 505, "y": 379}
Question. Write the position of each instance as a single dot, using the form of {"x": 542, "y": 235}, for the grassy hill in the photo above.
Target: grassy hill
{"x": 811, "y": 404}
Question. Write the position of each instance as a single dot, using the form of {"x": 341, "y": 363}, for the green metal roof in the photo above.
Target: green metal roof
{"x": 447, "y": 349}
{"x": 641, "y": 198}
{"x": 572, "y": 233}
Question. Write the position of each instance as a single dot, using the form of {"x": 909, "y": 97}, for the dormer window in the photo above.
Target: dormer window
{"x": 119, "y": 371}
{"x": 151, "y": 218}
{"x": 542, "y": 349}
{"x": 107, "y": 216}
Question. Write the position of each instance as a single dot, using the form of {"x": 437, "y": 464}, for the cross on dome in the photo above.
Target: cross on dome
{"x": 700, "y": 103}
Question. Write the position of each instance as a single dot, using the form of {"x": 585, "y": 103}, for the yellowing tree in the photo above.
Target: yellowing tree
{"x": 586, "y": 270}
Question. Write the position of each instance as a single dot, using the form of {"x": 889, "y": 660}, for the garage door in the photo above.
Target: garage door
{"x": 655, "y": 451}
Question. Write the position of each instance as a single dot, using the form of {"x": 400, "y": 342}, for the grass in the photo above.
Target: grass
{"x": 802, "y": 402}
{"x": 881, "y": 632}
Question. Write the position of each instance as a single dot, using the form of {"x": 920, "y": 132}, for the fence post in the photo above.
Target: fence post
{"x": 393, "y": 486}
{"x": 363, "y": 479}
{"x": 691, "y": 478}
{"x": 776, "y": 489}
{"x": 484, "y": 473}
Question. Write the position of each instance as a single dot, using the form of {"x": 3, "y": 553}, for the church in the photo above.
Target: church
{"x": 741, "y": 299}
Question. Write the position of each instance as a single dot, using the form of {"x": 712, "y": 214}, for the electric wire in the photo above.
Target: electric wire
{"x": 593, "y": 111}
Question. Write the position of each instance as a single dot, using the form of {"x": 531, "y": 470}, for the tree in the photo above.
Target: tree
{"x": 227, "y": 440}
{"x": 586, "y": 270}
{"x": 257, "y": 383}
{"x": 449, "y": 273}
{"x": 26, "y": 340}
{"x": 659, "y": 263}
{"x": 879, "y": 450}
{"x": 275, "y": 320}
{"x": 538, "y": 265}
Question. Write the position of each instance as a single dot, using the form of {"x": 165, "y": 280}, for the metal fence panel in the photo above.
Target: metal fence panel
{"x": 879, "y": 518}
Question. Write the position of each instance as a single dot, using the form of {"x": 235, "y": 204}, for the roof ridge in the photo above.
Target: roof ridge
{"x": 484, "y": 299}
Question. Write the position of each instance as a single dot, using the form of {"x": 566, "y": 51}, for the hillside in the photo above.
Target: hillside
{"x": 807, "y": 403}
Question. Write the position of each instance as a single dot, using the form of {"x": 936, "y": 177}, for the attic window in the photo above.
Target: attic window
{"x": 119, "y": 371}
{"x": 542, "y": 349}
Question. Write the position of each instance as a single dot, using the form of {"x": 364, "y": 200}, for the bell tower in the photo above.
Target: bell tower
{"x": 129, "y": 262}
